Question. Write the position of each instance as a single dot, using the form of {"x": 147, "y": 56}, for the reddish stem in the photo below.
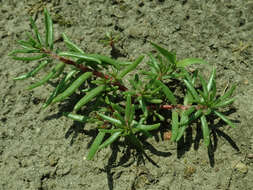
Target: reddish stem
{"x": 84, "y": 69}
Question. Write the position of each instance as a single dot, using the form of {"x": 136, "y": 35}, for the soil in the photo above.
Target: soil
{"x": 41, "y": 150}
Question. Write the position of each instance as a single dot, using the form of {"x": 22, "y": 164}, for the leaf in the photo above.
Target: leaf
{"x": 35, "y": 29}
{"x": 205, "y": 130}
{"x": 73, "y": 87}
{"x": 49, "y": 30}
{"x": 76, "y": 117}
{"x": 110, "y": 140}
{"x": 47, "y": 77}
{"x": 129, "y": 68}
{"x": 189, "y": 61}
{"x": 24, "y": 51}
{"x": 171, "y": 57}
{"x": 192, "y": 90}
{"x": 33, "y": 72}
{"x": 82, "y": 56}
{"x": 128, "y": 109}
{"x": 227, "y": 94}
{"x": 95, "y": 145}
{"x": 148, "y": 127}
{"x": 107, "y": 60}
{"x": 211, "y": 80}
{"x": 224, "y": 118}
{"x": 32, "y": 58}
{"x": 71, "y": 45}
{"x": 110, "y": 119}
{"x": 89, "y": 96}
{"x": 174, "y": 125}
{"x": 181, "y": 131}
{"x": 170, "y": 96}
{"x": 204, "y": 86}
{"x": 56, "y": 91}
{"x": 224, "y": 103}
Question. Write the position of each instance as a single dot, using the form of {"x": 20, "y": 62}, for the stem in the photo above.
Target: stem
{"x": 84, "y": 68}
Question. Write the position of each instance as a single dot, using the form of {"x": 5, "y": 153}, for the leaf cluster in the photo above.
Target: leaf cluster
{"x": 120, "y": 111}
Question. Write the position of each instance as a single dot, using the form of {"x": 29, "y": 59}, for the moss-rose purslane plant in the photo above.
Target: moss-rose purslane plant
{"x": 121, "y": 111}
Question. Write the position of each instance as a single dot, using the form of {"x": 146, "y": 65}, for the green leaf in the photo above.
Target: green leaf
{"x": 107, "y": 60}
{"x": 49, "y": 30}
{"x": 171, "y": 57}
{"x": 227, "y": 94}
{"x": 82, "y": 56}
{"x": 129, "y": 68}
{"x": 170, "y": 96}
{"x": 24, "y": 51}
{"x": 154, "y": 63}
{"x": 32, "y": 58}
{"x": 110, "y": 119}
{"x": 192, "y": 90}
{"x": 71, "y": 45}
{"x": 33, "y": 72}
{"x": 76, "y": 117}
{"x": 148, "y": 127}
{"x": 205, "y": 130}
{"x": 95, "y": 145}
{"x": 110, "y": 140}
{"x": 89, "y": 96}
{"x": 204, "y": 86}
{"x": 224, "y": 118}
{"x": 46, "y": 78}
{"x": 189, "y": 61}
{"x": 128, "y": 109}
{"x": 143, "y": 106}
{"x": 211, "y": 80}
{"x": 35, "y": 29}
{"x": 224, "y": 103}
{"x": 181, "y": 131}
{"x": 174, "y": 125}
{"x": 73, "y": 87}
{"x": 59, "y": 88}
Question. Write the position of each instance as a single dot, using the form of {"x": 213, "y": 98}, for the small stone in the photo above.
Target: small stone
{"x": 250, "y": 156}
{"x": 241, "y": 167}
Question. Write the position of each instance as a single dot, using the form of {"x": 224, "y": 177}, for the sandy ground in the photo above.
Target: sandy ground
{"x": 40, "y": 150}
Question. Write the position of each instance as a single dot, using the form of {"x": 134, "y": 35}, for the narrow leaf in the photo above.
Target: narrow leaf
{"x": 95, "y": 145}
{"x": 47, "y": 77}
{"x": 110, "y": 140}
{"x": 49, "y": 30}
{"x": 32, "y": 58}
{"x": 205, "y": 130}
{"x": 189, "y": 61}
{"x": 110, "y": 119}
{"x": 89, "y": 96}
{"x": 192, "y": 90}
{"x": 82, "y": 56}
{"x": 170, "y": 96}
{"x": 128, "y": 108}
{"x": 71, "y": 45}
{"x": 148, "y": 127}
{"x": 171, "y": 57}
{"x": 76, "y": 117}
{"x": 225, "y": 119}
{"x": 129, "y": 68}
{"x": 73, "y": 87}
{"x": 33, "y": 72}
{"x": 211, "y": 80}
{"x": 35, "y": 29}
{"x": 174, "y": 125}
{"x": 224, "y": 103}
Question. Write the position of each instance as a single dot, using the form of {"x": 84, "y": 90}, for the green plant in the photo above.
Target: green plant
{"x": 122, "y": 111}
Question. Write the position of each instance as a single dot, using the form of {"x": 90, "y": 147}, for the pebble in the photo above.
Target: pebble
{"x": 241, "y": 167}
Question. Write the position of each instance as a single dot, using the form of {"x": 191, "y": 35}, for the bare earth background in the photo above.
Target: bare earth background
{"x": 40, "y": 150}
